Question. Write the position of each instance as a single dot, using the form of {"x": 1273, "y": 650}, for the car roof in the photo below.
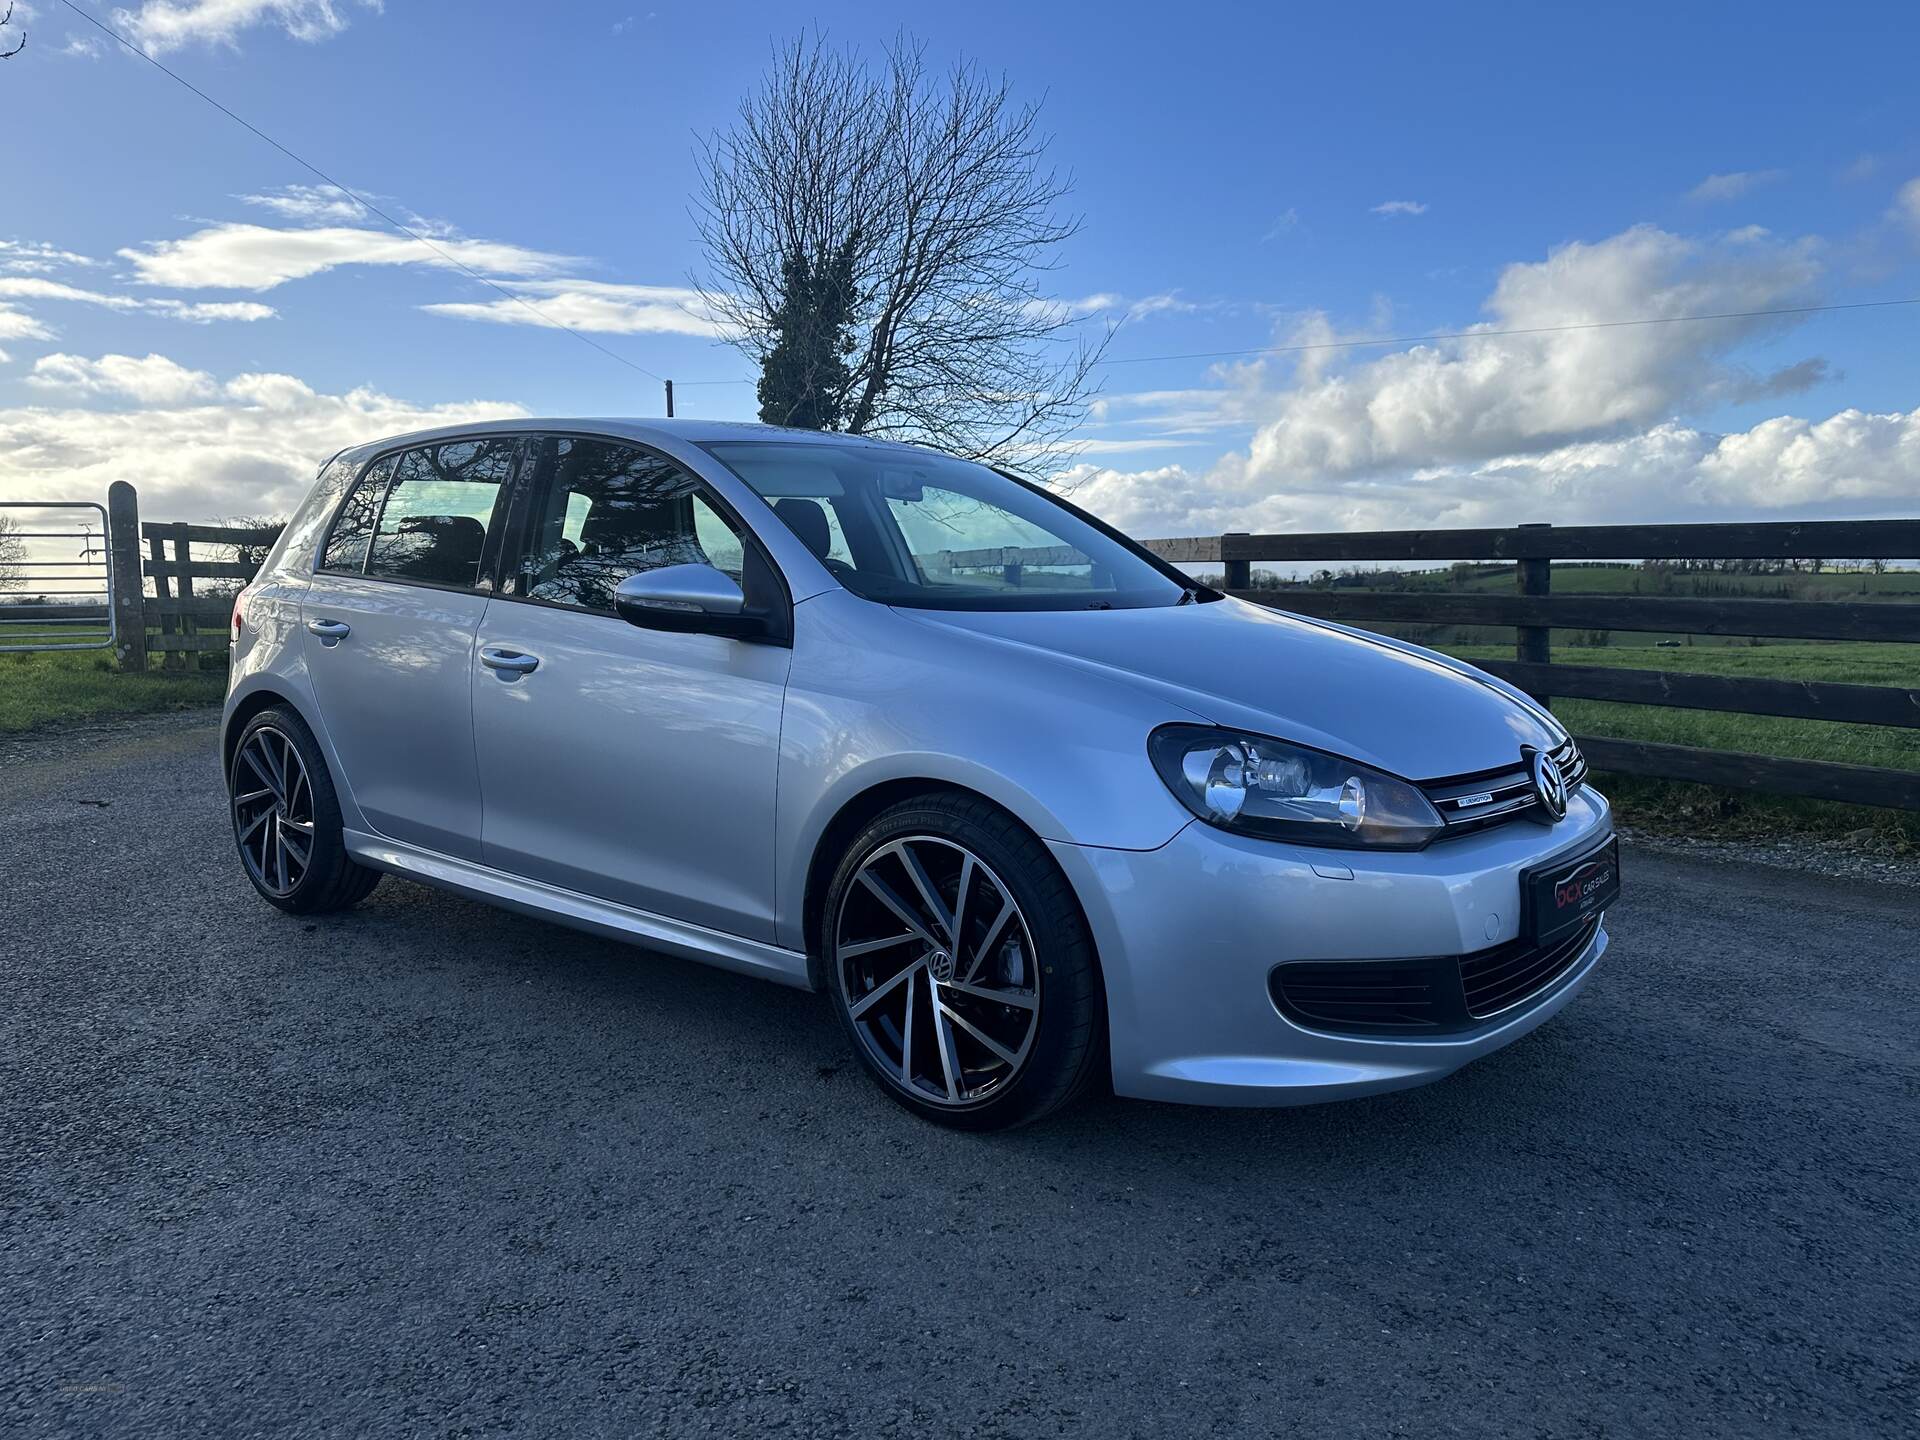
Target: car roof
{"x": 685, "y": 431}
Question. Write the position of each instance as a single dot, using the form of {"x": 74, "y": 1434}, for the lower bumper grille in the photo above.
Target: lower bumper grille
{"x": 1498, "y": 979}
{"x": 1432, "y": 996}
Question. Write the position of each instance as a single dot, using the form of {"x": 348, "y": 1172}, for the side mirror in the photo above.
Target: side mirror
{"x": 691, "y": 599}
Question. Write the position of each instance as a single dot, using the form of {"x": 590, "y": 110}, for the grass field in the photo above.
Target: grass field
{"x": 1692, "y": 809}
{"x": 46, "y": 689}
{"x": 1857, "y": 664}
{"x": 1632, "y": 580}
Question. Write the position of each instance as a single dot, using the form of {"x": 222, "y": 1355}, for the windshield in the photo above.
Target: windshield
{"x": 920, "y": 529}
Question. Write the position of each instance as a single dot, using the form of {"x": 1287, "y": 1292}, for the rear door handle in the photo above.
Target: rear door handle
{"x": 329, "y": 630}
{"x": 510, "y": 661}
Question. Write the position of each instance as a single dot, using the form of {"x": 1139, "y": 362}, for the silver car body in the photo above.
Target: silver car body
{"x": 682, "y": 790}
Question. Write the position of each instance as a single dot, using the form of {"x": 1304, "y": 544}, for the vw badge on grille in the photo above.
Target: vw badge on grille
{"x": 1549, "y": 785}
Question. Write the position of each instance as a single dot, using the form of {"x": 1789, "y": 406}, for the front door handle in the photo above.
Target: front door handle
{"x": 329, "y": 630}
{"x": 510, "y": 662}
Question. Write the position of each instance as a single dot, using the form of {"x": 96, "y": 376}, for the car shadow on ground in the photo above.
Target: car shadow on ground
{"x": 784, "y": 1048}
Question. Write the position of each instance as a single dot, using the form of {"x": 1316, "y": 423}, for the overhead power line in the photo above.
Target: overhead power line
{"x": 1465, "y": 334}
{"x": 1525, "y": 330}
{"x": 407, "y": 230}
{"x": 1292, "y": 349}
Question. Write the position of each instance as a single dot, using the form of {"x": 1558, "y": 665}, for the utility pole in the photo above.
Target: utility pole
{"x": 669, "y": 385}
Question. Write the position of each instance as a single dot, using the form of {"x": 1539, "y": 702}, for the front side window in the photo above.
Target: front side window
{"x": 439, "y": 507}
{"x": 921, "y": 529}
{"x": 603, "y": 511}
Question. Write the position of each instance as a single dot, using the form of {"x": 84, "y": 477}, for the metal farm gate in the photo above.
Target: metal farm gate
{"x": 56, "y": 588}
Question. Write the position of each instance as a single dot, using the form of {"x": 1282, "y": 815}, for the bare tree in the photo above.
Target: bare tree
{"x": 5, "y": 20}
{"x": 13, "y": 554}
{"x": 917, "y": 207}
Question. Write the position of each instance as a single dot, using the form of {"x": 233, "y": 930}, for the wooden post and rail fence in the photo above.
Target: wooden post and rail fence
{"x": 1534, "y": 611}
{"x": 173, "y": 622}
{"x": 176, "y": 622}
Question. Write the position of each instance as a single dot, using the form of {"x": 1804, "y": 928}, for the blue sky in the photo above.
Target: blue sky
{"x": 1248, "y": 175}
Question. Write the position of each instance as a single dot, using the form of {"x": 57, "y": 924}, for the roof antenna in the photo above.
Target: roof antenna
{"x": 669, "y": 385}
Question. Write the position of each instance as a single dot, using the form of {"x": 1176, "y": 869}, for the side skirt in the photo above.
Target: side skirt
{"x": 580, "y": 912}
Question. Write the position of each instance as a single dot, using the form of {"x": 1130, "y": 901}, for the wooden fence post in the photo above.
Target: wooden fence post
{"x": 1534, "y": 643}
{"x": 163, "y": 592}
{"x": 123, "y": 561}
{"x": 1235, "y": 574}
{"x": 182, "y": 554}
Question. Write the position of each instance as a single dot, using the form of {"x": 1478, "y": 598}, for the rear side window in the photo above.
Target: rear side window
{"x": 603, "y": 511}
{"x": 353, "y": 527}
{"x": 438, "y": 511}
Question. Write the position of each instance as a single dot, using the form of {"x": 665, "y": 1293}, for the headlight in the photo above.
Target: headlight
{"x": 1258, "y": 786}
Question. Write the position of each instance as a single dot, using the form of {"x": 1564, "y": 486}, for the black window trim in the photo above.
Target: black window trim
{"x": 515, "y": 532}
{"x": 490, "y": 554}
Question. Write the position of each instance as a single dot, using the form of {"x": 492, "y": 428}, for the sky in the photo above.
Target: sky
{"x": 184, "y": 306}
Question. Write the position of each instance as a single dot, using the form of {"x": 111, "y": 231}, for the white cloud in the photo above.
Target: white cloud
{"x": 1488, "y": 395}
{"x": 25, "y": 257}
{"x": 81, "y": 47}
{"x": 1907, "y": 204}
{"x": 594, "y": 305}
{"x": 18, "y": 325}
{"x": 1852, "y": 463}
{"x": 259, "y": 257}
{"x": 1733, "y": 185}
{"x": 206, "y": 311}
{"x": 1284, "y": 224}
{"x": 162, "y": 25}
{"x": 1400, "y": 207}
{"x": 198, "y": 313}
{"x": 1561, "y": 424}
{"x": 5, "y": 358}
{"x": 310, "y": 202}
{"x": 152, "y": 380}
{"x": 1239, "y": 398}
{"x": 249, "y": 446}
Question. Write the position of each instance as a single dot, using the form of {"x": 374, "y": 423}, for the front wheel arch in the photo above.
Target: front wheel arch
{"x": 846, "y": 825}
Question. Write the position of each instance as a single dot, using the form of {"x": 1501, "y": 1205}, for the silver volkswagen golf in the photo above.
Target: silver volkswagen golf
{"x": 1032, "y": 807}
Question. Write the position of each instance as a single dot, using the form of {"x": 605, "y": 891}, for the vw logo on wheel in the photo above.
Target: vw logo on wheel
{"x": 1549, "y": 785}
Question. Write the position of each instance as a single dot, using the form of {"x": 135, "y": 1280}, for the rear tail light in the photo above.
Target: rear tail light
{"x": 239, "y": 613}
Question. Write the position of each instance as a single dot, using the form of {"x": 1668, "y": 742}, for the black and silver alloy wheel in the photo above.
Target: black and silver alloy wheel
{"x": 286, "y": 818}
{"x": 938, "y": 971}
{"x": 273, "y": 810}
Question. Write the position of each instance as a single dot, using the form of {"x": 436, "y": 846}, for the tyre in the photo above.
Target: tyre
{"x": 961, "y": 966}
{"x": 286, "y": 819}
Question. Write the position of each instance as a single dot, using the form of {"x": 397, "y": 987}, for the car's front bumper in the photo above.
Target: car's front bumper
{"x": 1189, "y": 933}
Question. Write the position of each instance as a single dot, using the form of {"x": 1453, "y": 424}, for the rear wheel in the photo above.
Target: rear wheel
{"x": 286, "y": 819}
{"x": 961, "y": 965}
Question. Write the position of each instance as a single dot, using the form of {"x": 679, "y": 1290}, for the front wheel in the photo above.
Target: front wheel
{"x": 961, "y": 966}
{"x": 286, "y": 819}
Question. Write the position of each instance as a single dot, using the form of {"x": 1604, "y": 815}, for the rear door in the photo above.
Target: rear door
{"x": 390, "y": 618}
{"x": 634, "y": 765}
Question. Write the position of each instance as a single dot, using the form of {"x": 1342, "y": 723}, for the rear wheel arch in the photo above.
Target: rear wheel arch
{"x": 243, "y": 711}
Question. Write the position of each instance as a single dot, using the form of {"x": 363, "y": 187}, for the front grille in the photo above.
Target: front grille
{"x": 1434, "y": 996}
{"x": 1493, "y": 797}
{"x": 1500, "y": 978}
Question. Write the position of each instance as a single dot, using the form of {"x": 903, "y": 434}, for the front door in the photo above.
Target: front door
{"x": 633, "y": 765}
{"x": 390, "y": 620}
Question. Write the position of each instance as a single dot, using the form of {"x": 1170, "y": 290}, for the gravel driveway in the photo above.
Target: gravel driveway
{"x": 430, "y": 1168}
